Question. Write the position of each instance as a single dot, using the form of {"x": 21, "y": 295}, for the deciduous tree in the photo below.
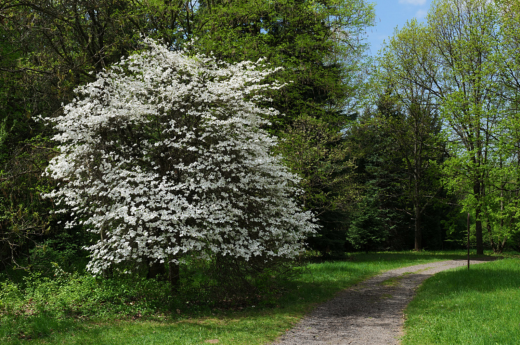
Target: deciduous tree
{"x": 164, "y": 155}
{"x": 452, "y": 59}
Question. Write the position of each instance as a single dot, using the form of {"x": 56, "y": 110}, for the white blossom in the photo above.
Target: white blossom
{"x": 164, "y": 155}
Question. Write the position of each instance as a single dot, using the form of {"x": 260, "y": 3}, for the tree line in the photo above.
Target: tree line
{"x": 462, "y": 66}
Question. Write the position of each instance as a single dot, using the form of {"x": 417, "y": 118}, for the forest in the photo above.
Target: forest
{"x": 210, "y": 148}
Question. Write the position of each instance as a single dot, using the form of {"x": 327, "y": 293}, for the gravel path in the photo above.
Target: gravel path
{"x": 369, "y": 313}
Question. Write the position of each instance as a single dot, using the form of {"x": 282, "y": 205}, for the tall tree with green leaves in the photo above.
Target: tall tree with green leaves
{"x": 451, "y": 59}
{"x": 415, "y": 135}
{"x": 323, "y": 156}
{"x": 502, "y": 208}
{"x": 414, "y": 130}
{"x": 318, "y": 44}
{"x": 399, "y": 153}
{"x": 23, "y": 215}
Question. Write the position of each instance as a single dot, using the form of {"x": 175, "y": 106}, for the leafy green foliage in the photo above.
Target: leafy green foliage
{"x": 317, "y": 44}
{"x": 461, "y": 61}
{"x": 381, "y": 176}
{"x": 416, "y": 134}
{"x": 319, "y": 153}
{"x": 398, "y": 152}
{"x": 65, "y": 297}
{"x": 24, "y": 216}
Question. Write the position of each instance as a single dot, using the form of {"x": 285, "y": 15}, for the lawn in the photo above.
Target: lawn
{"x": 257, "y": 324}
{"x": 479, "y": 306}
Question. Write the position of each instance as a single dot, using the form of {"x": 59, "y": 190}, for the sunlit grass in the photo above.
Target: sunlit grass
{"x": 252, "y": 325}
{"x": 479, "y": 306}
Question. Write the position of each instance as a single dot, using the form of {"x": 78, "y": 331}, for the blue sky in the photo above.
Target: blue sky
{"x": 393, "y": 13}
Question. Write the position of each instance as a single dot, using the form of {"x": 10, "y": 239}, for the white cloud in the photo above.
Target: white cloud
{"x": 421, "y": 14}
{"x": 412, "y": 2}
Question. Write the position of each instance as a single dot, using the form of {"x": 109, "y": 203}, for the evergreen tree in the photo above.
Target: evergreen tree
{"x": 318, "y": 45}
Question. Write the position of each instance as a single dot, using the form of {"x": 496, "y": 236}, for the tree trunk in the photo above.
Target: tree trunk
{"x": 174, "y": 275}
{"x": 417, "y": 179}
{"x": 503, "y": 244}
{"x": 478, "y": 223}
{"x": 418, "y": 235}
{"x": 156, "y": 271}
{"x": 478, "y": 233}
{"x": 491, "y": 240}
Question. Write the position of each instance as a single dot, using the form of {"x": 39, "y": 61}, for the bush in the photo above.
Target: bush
{"x": 164, "y": 157}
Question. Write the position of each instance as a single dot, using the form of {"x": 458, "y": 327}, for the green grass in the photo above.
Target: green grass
{"x": 479, "y": 306}
{"x": 252, "y": 325}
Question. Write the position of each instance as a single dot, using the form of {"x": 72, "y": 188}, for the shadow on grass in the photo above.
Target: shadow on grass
{"x": 418, "y": 256}
{"x": 20, "y": 329}
{"x": 488, "y": 277}
{"x": 166, "y": 333}
{"x": 318, "y": 283}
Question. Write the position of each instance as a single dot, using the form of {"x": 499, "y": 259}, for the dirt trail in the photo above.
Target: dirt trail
{"x": 369, "y": 313}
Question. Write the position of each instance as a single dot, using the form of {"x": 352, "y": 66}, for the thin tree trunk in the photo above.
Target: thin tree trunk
{"x": 503, "y": 244}
{"x": 174, "y": 275}
{"x": 418, "y": 235}
{"x": 417, "y": 177}
{"x": 156, "y": 270}
{"x": 107, "y": 272}
{"x": 478, "y": 223}
{"x": 491, "y": 240}
{"x": 499, "y": 247}
{"x": 478, "y": 233}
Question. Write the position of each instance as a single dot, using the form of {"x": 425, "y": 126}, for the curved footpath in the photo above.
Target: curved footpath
{"x": 370, "y": 312}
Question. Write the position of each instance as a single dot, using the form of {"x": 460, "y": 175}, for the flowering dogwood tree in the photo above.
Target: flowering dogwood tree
{"x": 164, "y": 155}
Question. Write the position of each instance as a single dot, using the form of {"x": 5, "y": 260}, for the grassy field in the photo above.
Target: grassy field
{"x": 252, "y": 325}
{"x": 479, "y": 306}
